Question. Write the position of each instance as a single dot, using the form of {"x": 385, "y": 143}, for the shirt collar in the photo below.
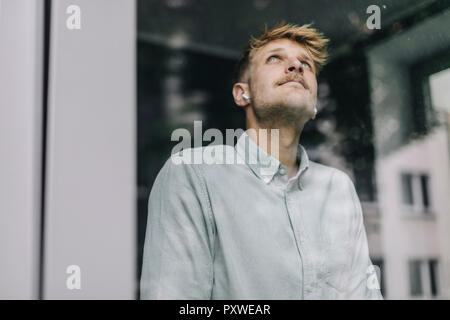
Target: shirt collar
{"x": 263, "y": 165}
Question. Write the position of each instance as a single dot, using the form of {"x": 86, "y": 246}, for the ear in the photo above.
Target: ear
{"x": 239, "y": 89}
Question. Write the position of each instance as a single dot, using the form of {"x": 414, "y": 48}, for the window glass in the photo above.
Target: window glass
{"x": 383, "y": 108}
{"x": 415, "y": 278}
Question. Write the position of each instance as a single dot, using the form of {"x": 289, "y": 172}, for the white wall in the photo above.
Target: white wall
{"x": 91, "y": 158}
{"x": 90, "y": 211}
{"x": 21, "y": 38}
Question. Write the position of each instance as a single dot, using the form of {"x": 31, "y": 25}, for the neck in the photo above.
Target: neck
{"x": 289, "y": 137}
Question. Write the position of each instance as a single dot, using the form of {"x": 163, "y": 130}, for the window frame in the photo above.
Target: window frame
{"x": 417, "y": 208}
{"x": 426, "y": 277}
{"x": 424, "y": 116}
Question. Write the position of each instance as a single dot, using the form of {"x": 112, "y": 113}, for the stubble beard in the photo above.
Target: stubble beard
{"x": 282, "y": 114}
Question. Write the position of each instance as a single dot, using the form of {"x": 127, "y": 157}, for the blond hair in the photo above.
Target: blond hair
{"x": 313, "y": 41}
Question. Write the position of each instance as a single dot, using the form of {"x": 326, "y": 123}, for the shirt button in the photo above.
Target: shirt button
{"x": 282, "y": 171}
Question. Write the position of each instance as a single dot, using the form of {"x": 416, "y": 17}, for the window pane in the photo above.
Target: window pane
{"x": 407, "y": 191}
{"x": 425, "y": 195}
{"x": 415, "y": 279}
{"x": 433, "y": 277}
{"x": 440, "y": 95}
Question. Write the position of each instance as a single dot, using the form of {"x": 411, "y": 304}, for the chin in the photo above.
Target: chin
{"x": 301, "y": 110}
{"x": 297, "y": 104}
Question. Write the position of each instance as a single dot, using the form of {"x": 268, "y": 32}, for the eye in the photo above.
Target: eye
{"x": 272, "y": 59}
{"x": 306, "y": 64}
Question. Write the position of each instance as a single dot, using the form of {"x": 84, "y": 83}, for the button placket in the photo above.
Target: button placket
{"x": 308, "y": 283}
{"x": 298, "y": 241}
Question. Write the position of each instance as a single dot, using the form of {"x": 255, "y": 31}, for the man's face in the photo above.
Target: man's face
{"x": 282, "y": 83}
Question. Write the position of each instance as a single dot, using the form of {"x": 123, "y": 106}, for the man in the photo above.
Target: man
{"x": 273, "y": 225}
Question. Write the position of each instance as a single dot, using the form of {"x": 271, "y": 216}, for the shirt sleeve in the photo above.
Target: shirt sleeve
{"x": 178, "y": 248}
{"x": 363, "y": 280}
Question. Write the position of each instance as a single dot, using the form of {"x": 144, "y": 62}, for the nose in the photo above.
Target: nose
{"x": 294, "y": 65}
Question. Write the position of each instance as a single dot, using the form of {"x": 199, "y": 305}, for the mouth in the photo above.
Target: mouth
{"x": 295, "y": 81}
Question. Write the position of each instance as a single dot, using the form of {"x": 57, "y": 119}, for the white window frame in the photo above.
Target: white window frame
{"x": 417, "y": 209}
{"x": 425, "y": 277}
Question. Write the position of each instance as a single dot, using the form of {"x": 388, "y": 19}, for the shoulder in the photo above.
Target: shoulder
{"x": 200, "y": 156}
{"x": 320, "y": 171}
{"x": 198, "y": 161}
{"x": 338, "y": 188}
{"x": 335, "y": 182}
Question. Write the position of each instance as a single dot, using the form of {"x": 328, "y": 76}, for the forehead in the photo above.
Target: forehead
{"x": 281, "y": 45}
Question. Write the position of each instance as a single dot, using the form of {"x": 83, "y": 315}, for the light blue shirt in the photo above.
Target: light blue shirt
{"x": 246, "y": 231}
